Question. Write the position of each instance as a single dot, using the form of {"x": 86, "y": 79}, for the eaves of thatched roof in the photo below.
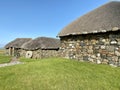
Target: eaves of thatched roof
{"x": 42, "y": 43}
{"x": 103, "y": 19}
{"x": 17, "y": 43}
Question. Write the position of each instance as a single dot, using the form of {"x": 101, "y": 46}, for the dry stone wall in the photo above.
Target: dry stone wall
{"x": 45, "y": 53}
{"x": 13, "y": 51}
{"x": 38, "y": 54}
{"x": 97, "y": 48}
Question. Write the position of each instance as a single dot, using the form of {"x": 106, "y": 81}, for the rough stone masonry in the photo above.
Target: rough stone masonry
{"x": 98, "y": 48}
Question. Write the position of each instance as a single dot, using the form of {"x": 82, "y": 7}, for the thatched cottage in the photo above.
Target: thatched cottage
{"x": 41, "y": 47}
{"x": 94, "y": 36}
{"x": 13, "y": 48}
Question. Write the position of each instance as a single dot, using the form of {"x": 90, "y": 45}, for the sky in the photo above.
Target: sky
{"x": 37, "y": 18}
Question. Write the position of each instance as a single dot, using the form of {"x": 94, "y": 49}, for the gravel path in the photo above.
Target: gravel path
{"x": 14, "y": 61}
{"x": 10, "y": 64}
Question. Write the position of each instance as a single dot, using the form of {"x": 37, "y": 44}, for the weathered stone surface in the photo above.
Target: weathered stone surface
{"x": 118, "y": 42}
{"x": 117, "y": 53}
{"x": 44, "y": 53}
{"x": 93, "y": 56}
{"x": 113, "y": 42}
{"x": 110, "y": 48}
{"x": 103, "y": 56}
{"x": 90, "y": 51}
{"x": 101, "y": 43}
{"x": 85, "y": 58}
{"x": 82, "y": 43}
{"x": 103, "y": 48}
{"x": 103, "y": 40}
{"x": 105, "y": 61}
{"x": 91, "y": 59}
{"x": 109, "y": 58}
{"x": 97, "y": 47}
{"x": 29, "y": 54}
{"x": 98, "y": 55}
{"x": 98, "y": 62}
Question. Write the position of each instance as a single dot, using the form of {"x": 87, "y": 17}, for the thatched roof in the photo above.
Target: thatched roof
{"x": 17, "y": 43}
{"x": 103, "y": 19}
{"x": 42, "y": 43}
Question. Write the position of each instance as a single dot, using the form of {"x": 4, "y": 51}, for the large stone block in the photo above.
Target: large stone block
{"x": 110, "y": 48}
{"x": 105, "y": 61}
{"x": 109, "y": 58}
{"x": 85, "y": 58}
{"x": 103, "y": 56}
{"x": 98, "y": 61}
{"x": 82, "y": 43}
{"x": 96, "y": 47}
{"x": 100, "y": 43}
{"x": 98, "y": 54}
{"x": 91, "y": 59}
{"x": 117, "y": 53}
{"x": 90, "y": 51}
{"x": 93, "y": 56}
{"x": 102, "y": 46}
{"x": 90, "y": 47}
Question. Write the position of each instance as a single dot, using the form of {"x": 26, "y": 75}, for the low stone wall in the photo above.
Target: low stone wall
{"x": 98, "y": 48}
{"x": 23, "y": 53}
{"x": 38, "y": 54}
{"x": 13, "y": 51}
{"x": 7, "y": 51}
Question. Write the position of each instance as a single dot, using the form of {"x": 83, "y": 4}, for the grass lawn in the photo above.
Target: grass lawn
{"x": 59, "y": 74}
{"x": 3, "y": 58}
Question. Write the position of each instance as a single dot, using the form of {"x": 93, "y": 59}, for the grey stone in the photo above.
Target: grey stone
{"x": 113, "y": 42}
{"x": 82, "y": 43}
{"x": 103, "y": 40}
{"x": 107, "y": 43}
{"x": 110, "y": 48}
{"x": 91, "y": 60}
{"x": 98, "y": 62}
{"x": 98, "y": 54}
{"x": 109, "y": 58}
{"x": 101, "y": 43}
{"x": 93, "y": 56}
{"x": 118, "y": 42}
{"x": 117, "y": 53}
{"x": 115, "y": 58}
{"x": 70, "y": 44}
{"x": 102, "y": 46}
{"x": 103, "y": 56}
{"x": 90, "y": 51}
{"x": 85, "y": 58}
{"x": 96, "y": 47}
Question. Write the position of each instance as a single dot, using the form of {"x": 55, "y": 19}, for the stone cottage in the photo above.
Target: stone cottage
{"x": 14, "y": 47}
{"x": 94, "y": 37}
{"x": 41, "y": 47}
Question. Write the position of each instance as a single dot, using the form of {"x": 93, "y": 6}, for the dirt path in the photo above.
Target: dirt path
{"x": 13, "y": 61}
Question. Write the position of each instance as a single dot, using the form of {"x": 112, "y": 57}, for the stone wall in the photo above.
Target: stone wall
{"x": 7, "y": 52}
{"x": 13, "y": 51}
{"x": 38, "y": 54}
{"x": 98, "y": 48}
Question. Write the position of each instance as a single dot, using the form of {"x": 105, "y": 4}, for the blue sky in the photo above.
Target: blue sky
{"x": 36, "y": 18}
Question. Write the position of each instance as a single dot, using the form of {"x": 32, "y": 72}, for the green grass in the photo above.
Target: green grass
{"x": 3, "y": 58}
{"x": 59, "y": 74}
